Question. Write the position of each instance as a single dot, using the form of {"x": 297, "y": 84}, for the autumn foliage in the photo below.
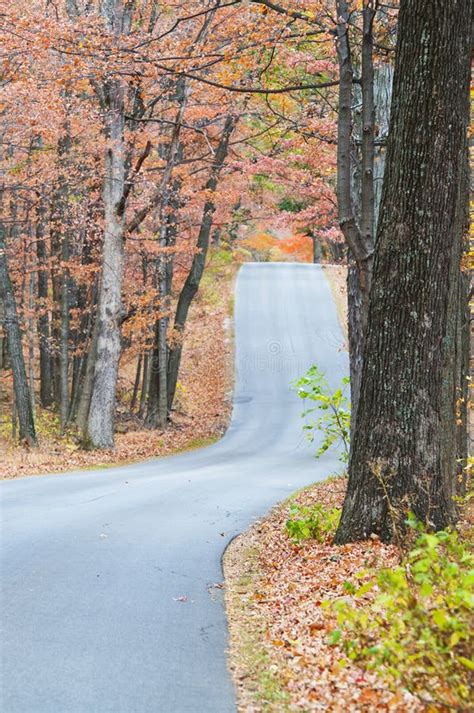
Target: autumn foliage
{"x": 133, "y": 139}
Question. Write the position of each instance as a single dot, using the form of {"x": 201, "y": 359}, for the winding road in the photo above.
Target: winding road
{"x": 107, "y": 598}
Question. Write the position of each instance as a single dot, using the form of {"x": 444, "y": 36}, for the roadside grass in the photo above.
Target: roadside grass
{"x": 259, "y": 683}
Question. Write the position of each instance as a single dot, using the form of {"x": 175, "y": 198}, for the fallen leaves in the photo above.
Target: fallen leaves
{"x": 283, "y": 654}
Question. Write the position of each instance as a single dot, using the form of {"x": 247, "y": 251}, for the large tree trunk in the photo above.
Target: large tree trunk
{"x": 404, "y": 449}
{"x": 101, "y": 419}
{"x": 12, "y": 329}
{"x": 100, "y": 426}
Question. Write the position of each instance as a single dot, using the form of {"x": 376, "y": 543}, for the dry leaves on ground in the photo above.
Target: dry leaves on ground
{"x": 275, "y": 589}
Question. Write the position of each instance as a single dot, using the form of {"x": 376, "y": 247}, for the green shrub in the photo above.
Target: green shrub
{"x": 315, "y": 522}
{"x": 291, "y": 205}
{"x": 417, "y": 631}
{"x": 335, "y": 422}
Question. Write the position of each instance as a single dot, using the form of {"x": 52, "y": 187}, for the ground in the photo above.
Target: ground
{"x": 280, "y": 655}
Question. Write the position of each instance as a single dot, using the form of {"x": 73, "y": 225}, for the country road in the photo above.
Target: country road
{"x": 108, "y": 604}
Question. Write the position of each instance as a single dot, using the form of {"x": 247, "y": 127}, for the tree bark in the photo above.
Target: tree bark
{"x": 44, "y": 331}
{"x": 193, "y": 279}
{"x": 100, "y": 427}
{"x": 404, "y": 450}
{"x": 12, "y": 330}
{"x": 356, "y": 218}
{"x": 101, "y": 419}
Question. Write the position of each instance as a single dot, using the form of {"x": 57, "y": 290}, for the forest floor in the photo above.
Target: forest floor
{"x": 204, "y": 395}
{"x": 286, "y": 646}
{"x": 280, "y": 655}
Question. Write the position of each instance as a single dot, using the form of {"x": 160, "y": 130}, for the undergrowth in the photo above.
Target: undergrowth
{"x": 413, "y": 623}
{"x": 314, "y": 522}
{"x": 417, "y": 630}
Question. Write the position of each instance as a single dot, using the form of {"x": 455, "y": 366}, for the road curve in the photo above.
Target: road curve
{"x": 107, "y": 599}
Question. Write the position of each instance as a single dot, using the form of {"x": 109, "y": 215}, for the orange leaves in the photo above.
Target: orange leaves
{"x": 300, "y": 247}
{"x": 260, "y": 242}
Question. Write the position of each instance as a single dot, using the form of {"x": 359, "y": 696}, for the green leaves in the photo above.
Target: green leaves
{"x": 334, "y": 637}
{"x": 316, "y": 522}
{"x": 335, "y": 423}
{"x": 416, "y": 631}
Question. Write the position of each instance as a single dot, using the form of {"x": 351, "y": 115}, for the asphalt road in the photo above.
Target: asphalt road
{"x": 95, "y": 565}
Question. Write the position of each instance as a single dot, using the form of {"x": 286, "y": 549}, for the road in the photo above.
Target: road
{"x": 107, "y": 598}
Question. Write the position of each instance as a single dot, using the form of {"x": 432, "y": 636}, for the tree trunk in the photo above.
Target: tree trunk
{"x": 12, "y": 330}
{"x": 100, "y": 426}
{"x": 88, "y": 382}
{"x": 383, "y": 78}
{"x": 64, "y": 336}
{"x": 145, "y": 385}
{"x": 136, "y": 384}
{"x": 193, "y": 279}
{"x": 44, "y": 332}
{"x": 31, "y": 341}
{"x": 3, "y": 340}
{"x": 157, "y": 394}
{"x": 82, "y": 381}
{"x": 404, "y": 450}
{"x": 158, "y": 411}
{"x": 317, "y": 252}
{"x": 356, "y": 215}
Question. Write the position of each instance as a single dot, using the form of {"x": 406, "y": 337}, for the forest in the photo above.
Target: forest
{"x": 212, "y": 211}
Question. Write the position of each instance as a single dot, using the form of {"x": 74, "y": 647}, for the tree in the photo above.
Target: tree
{"x": 363, "y": 118}
{"x": 13, "y": 334}
{"x": 100, "y": 427}
{"x": 114, "y": 182}
{"x": 405, "y": 445}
